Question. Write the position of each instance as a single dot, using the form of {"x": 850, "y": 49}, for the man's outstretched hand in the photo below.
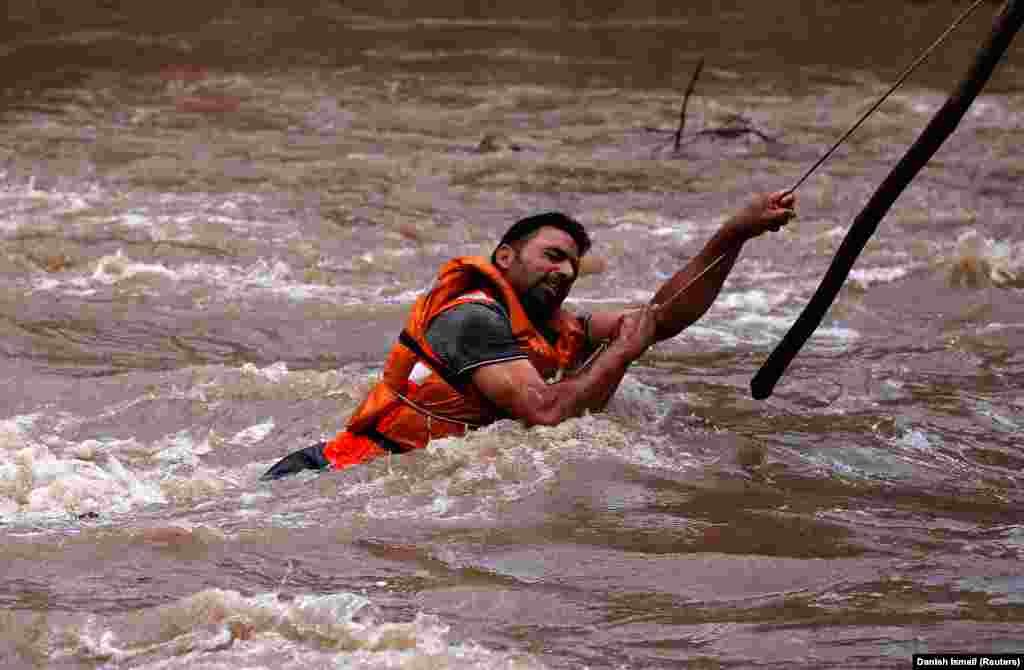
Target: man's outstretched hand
{"x": 765, "y": 212}
{"x": 636, "y": 331}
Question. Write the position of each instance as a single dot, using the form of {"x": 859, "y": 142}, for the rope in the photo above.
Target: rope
{"x": 466, "y": 425}
{"x": 903, "y": 77}
{"x": 693, "y": 281}
{"x": 922, "y": 58}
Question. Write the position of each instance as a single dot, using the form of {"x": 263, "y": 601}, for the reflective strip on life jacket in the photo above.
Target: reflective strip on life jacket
{"x": 442, "y": 370}
{"x": 419, "y": 373}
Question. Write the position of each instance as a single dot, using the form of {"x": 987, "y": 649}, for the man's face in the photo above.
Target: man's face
{"x": 541, "y": 269}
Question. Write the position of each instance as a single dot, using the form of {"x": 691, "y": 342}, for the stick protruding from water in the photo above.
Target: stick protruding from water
{"x": 686, "y": 102}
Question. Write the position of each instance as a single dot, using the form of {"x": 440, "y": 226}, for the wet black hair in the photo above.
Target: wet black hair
{"x": 524, "y": 228}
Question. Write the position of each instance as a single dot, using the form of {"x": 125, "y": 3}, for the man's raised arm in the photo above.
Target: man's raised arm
{"x": 685, "y": 297}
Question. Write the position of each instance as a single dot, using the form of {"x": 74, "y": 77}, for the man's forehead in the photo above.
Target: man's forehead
{"x": 551, "y": 236}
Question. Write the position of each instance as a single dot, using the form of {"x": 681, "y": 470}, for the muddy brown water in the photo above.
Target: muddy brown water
{"x": 213, "y": 217}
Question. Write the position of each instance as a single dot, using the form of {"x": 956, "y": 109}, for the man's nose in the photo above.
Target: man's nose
{"x": 566, "y": 271}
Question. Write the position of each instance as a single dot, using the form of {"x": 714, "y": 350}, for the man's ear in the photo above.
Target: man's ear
{"x": 504, "y": 256}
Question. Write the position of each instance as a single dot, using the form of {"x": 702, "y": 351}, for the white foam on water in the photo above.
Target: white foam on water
{"x": 998, "y": 421}
{"x": 133, "y": 220}
{"x": 180, "y": 448}
{"x": 253, "y": 434}
{"x": 230, "y": 282}
{"x": 707, "y": 332}
{"x": 996, "y": 110}
{"x": 758, "y": 317}
{"x": 915, "y": 439}
{"x": 275, "y": 381}
{"x": 50, "y": 481}
{"x": 246, "y": 225}
{"x": 405, "y": 297}
{"x": 761, "y": 326}
{"x": 116, "y": 268}
{"x": 26, "y": 194}
{"x": 470, "y": 478}
{"x": 755, "y": 317}
{"x": 631, "y": 297}
{"x": 224, "y": 629}
{"x": 996, "y": 326}
{"x": 36, "y": 484}
{"x": 760, "y": 272}
{"x": 861, "y": 462}
{"x": 1007, "y": 590}
{"x": 838, "y": 334}
{"x": 753, "y": 300}
{"x": 374, "y": 257}
{"x": 653, "y": 223}
{"x": 83, "y": 206}
{"x": 680, "y": 236}
{"x": 978, "y": 260}
{"x": 929, "y": 453}
{"x": 45, "y": 475}
{"x": 866, "y": 277}
{"x": 637, "y": 401}
{"x": 834, "y": 232}
{"x": 274, "y": 373}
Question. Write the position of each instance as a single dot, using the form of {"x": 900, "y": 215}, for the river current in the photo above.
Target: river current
{"x": 215, "y": 215}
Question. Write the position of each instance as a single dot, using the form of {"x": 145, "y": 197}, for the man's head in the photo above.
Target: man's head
{"x": 540, "y": 258}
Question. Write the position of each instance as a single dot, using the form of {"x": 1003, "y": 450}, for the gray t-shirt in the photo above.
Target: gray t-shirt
{"x": 473, "y": 334}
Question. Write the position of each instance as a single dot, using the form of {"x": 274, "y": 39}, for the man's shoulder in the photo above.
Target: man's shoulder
{"x": 477, "y": 297}
{"x": 476, "y": 315}
{"x": 471, "y": 334}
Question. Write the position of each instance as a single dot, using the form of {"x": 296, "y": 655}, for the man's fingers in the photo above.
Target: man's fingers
{"x": 786, "y": 213}
{"x": 783, "y": 200}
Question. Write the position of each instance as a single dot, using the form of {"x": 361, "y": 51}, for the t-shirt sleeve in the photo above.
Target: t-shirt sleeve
{"x": 473, "y": 334}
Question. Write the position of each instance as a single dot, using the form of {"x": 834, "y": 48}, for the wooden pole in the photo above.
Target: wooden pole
{"x": 941, "y": 126}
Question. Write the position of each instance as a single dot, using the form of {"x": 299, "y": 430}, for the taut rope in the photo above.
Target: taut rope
{"x": 903, "y": 77}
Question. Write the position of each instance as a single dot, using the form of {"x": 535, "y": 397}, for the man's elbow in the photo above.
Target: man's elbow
{"x": 542, "y": 418}
{"x": 669, "y": 330}
{"x": 545, "y": 420}
{"x": 544, "y": 413}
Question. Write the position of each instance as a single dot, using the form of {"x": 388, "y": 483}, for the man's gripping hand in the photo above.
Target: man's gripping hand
{"x": 765, "y": 212}
{"x": 636, "y": 331}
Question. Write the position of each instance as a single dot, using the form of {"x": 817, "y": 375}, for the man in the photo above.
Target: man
{"x": 490, "y": 340}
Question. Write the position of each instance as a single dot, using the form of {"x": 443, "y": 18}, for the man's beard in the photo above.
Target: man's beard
{"x": 540, "y": 305}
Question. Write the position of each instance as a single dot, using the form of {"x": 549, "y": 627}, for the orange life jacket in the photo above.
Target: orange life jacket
{"x": 418, "y": 399}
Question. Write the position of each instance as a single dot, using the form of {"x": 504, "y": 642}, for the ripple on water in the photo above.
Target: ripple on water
{"x": 220, "y": 628}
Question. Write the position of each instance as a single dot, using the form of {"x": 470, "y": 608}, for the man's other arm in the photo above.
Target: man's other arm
{"x": 518, "y": 388}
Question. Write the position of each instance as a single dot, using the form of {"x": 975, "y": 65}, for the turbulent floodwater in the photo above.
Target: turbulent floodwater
{"x": 214, "y": 216}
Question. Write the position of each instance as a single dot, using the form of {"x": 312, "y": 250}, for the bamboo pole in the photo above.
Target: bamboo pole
{"x": 941, "y": 126}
